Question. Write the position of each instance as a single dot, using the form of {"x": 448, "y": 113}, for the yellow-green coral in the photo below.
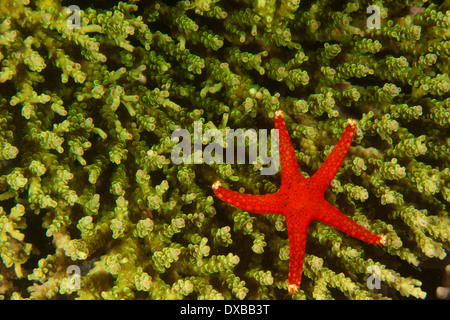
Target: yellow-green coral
{"x": 87, "y": 113}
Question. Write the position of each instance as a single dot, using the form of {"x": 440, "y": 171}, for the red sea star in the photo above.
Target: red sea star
{"x": 301, "y": 199}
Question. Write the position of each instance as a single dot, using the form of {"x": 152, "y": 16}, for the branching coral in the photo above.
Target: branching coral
{"x": 87, "y": 112}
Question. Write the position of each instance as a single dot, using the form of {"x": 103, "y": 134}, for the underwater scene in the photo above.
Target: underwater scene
{"x": 224, "y": 150}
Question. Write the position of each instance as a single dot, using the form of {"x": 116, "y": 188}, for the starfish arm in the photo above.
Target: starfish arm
{"x": 334, "y": 217}
{"x": 297, "y": 231}
{"x": 288, "y": 160}
{"x": 267, "y": 203}
{"x": 330, "y": 167}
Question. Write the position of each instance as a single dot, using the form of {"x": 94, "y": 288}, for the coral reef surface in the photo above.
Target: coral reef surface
{"x": 92, "y": 205}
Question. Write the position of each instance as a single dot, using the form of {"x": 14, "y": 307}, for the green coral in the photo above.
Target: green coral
{"x": 87, "y": 113}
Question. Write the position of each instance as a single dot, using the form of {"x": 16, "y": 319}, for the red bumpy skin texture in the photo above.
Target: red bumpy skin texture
{"x": 301, "y": 199}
